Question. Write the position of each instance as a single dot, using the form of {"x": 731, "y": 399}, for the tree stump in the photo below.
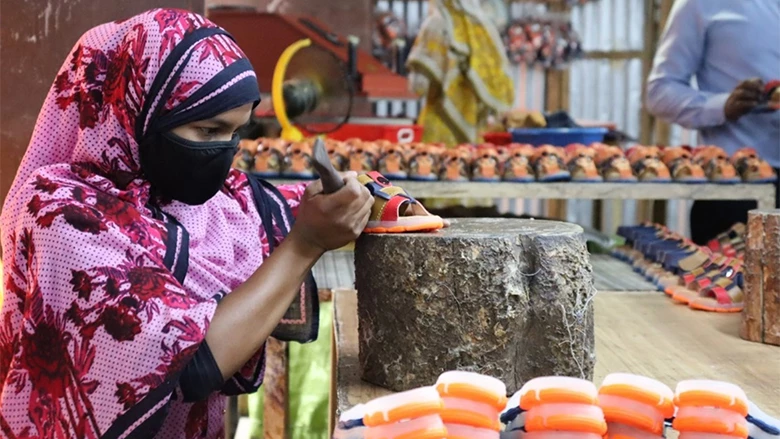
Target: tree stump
{"x": 507, "y": 298}
{"x": 761, "y": 315}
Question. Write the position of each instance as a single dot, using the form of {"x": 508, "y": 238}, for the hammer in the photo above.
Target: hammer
{"x": 331, "y": 179}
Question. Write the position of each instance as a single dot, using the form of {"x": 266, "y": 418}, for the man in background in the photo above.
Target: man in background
{"x": 731, "y": 48}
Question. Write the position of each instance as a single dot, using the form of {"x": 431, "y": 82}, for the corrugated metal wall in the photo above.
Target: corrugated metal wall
{"x": 603, "y": 89}
{"x": 608, "y": 90}
{"x": 599, "y": 89}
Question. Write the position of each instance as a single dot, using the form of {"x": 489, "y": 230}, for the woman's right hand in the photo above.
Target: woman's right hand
{"x": 328, "y": 222}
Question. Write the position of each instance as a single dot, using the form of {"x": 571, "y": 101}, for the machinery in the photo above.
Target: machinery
{"x": 311, "y": 87}
{"x": 318, "y": 80}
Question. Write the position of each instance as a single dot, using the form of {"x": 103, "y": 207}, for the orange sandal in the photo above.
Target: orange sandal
{"x": 647, "y": 165}
{"x": 425, "y": 162}
{"x": 713, "y": 407}
{"x": 752, "y": 168}
{"x": 485, "y": 166}
{"x": 298, "y": 163}
{"x": 362, "y": 155}
{"x": 392, "y": 162}
{"x": 613, "y": 164}
{"x": 245, "y": 157}
{"x": 716, "y": 165}
{"x": 582, "y": 164}
{"x": 394, "y": 211}
{"x": 269, "y": 158}
{"x": 517, "y": 167}
{"x": 456, "y": 164}
{"x": 548, "y": 163}
{"x": 681, "y": 165}
{"x": 338, "y": 153}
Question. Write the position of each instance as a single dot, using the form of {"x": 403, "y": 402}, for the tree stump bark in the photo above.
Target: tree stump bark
{"x": 507, "y": 298}
{"x": 761, "y": 315}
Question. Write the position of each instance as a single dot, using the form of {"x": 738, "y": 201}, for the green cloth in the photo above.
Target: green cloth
{"x": 309, "y": 382}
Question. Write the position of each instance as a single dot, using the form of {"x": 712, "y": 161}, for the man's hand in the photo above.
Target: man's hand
{"x": 743, "y": 99}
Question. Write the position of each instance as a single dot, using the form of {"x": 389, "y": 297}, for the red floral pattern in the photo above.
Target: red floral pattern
{"x": 93, "y": 320}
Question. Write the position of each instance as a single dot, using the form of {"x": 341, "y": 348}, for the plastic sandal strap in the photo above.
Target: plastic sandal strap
{"x": 721, "y": 294}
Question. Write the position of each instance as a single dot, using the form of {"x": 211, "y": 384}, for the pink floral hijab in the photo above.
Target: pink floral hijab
{"x": 109, "y": 293}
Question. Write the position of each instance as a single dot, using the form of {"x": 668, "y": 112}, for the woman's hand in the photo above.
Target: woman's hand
{"x": 246, "y": 317}
{"x": 327, "y": 222}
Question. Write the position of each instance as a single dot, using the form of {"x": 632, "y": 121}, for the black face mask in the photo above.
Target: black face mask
{"x": 186, "y": 171}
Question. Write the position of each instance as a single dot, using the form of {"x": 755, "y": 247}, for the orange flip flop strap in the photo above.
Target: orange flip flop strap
{"x": 699, "y": 425}
{"x": 566, "y": 422}
{"x": 554, "y": 395}
{"x": 664, "y": 405}
{"x": 472, "y": 393}
{"x": 471, "y": 419}
{"x": 709, "y": 398}
{"x": 406, "y": 411}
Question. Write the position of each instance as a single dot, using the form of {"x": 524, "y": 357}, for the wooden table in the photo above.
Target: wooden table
{"x": 764, "y": 194}
{"x": 643, "y": 333}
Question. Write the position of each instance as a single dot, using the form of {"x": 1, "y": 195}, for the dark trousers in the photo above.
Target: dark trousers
{"x": 711, "y": 217}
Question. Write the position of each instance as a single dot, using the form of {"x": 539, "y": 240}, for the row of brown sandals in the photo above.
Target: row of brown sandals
{"x": 273, "y": 157}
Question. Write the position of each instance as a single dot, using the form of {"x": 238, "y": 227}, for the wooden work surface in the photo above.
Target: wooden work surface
{"x": 643, "y": 333}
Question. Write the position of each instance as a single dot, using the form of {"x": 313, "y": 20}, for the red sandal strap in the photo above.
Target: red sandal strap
{"x": 721, "y": 294}
{"x": 392, "y": 209}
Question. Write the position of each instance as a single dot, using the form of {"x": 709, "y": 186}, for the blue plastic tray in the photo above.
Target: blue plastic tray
{"x": 557, "y": 136}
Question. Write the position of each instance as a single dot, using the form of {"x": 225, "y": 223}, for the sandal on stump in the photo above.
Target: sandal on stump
{"x": 394, "y": 211}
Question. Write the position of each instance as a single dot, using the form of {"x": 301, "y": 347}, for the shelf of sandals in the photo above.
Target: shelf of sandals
{"x": 706, "y": 278}
{"x": 487, "y": 171}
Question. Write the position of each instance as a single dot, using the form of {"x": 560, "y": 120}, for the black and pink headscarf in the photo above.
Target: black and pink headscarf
{"x": 108, "y": 294}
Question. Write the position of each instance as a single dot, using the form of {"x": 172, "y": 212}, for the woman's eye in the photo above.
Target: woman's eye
{"x": 208, "y": 131}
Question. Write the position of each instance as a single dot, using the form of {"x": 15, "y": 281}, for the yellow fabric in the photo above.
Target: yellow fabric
{"x": 458, "y": 63}
{"x": 309, "y": 386}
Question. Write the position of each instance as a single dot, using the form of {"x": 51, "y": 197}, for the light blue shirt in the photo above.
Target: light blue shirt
{"x": 720, "y": 43}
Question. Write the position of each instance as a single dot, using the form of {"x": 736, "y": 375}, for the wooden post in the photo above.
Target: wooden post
{"x": 761, "y": 316}
{"x": 275, "y": 407}
{"x": 648, "y": 53}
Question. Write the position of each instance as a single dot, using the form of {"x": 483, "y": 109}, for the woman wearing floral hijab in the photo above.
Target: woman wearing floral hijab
{"x": 133, "y": 298}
